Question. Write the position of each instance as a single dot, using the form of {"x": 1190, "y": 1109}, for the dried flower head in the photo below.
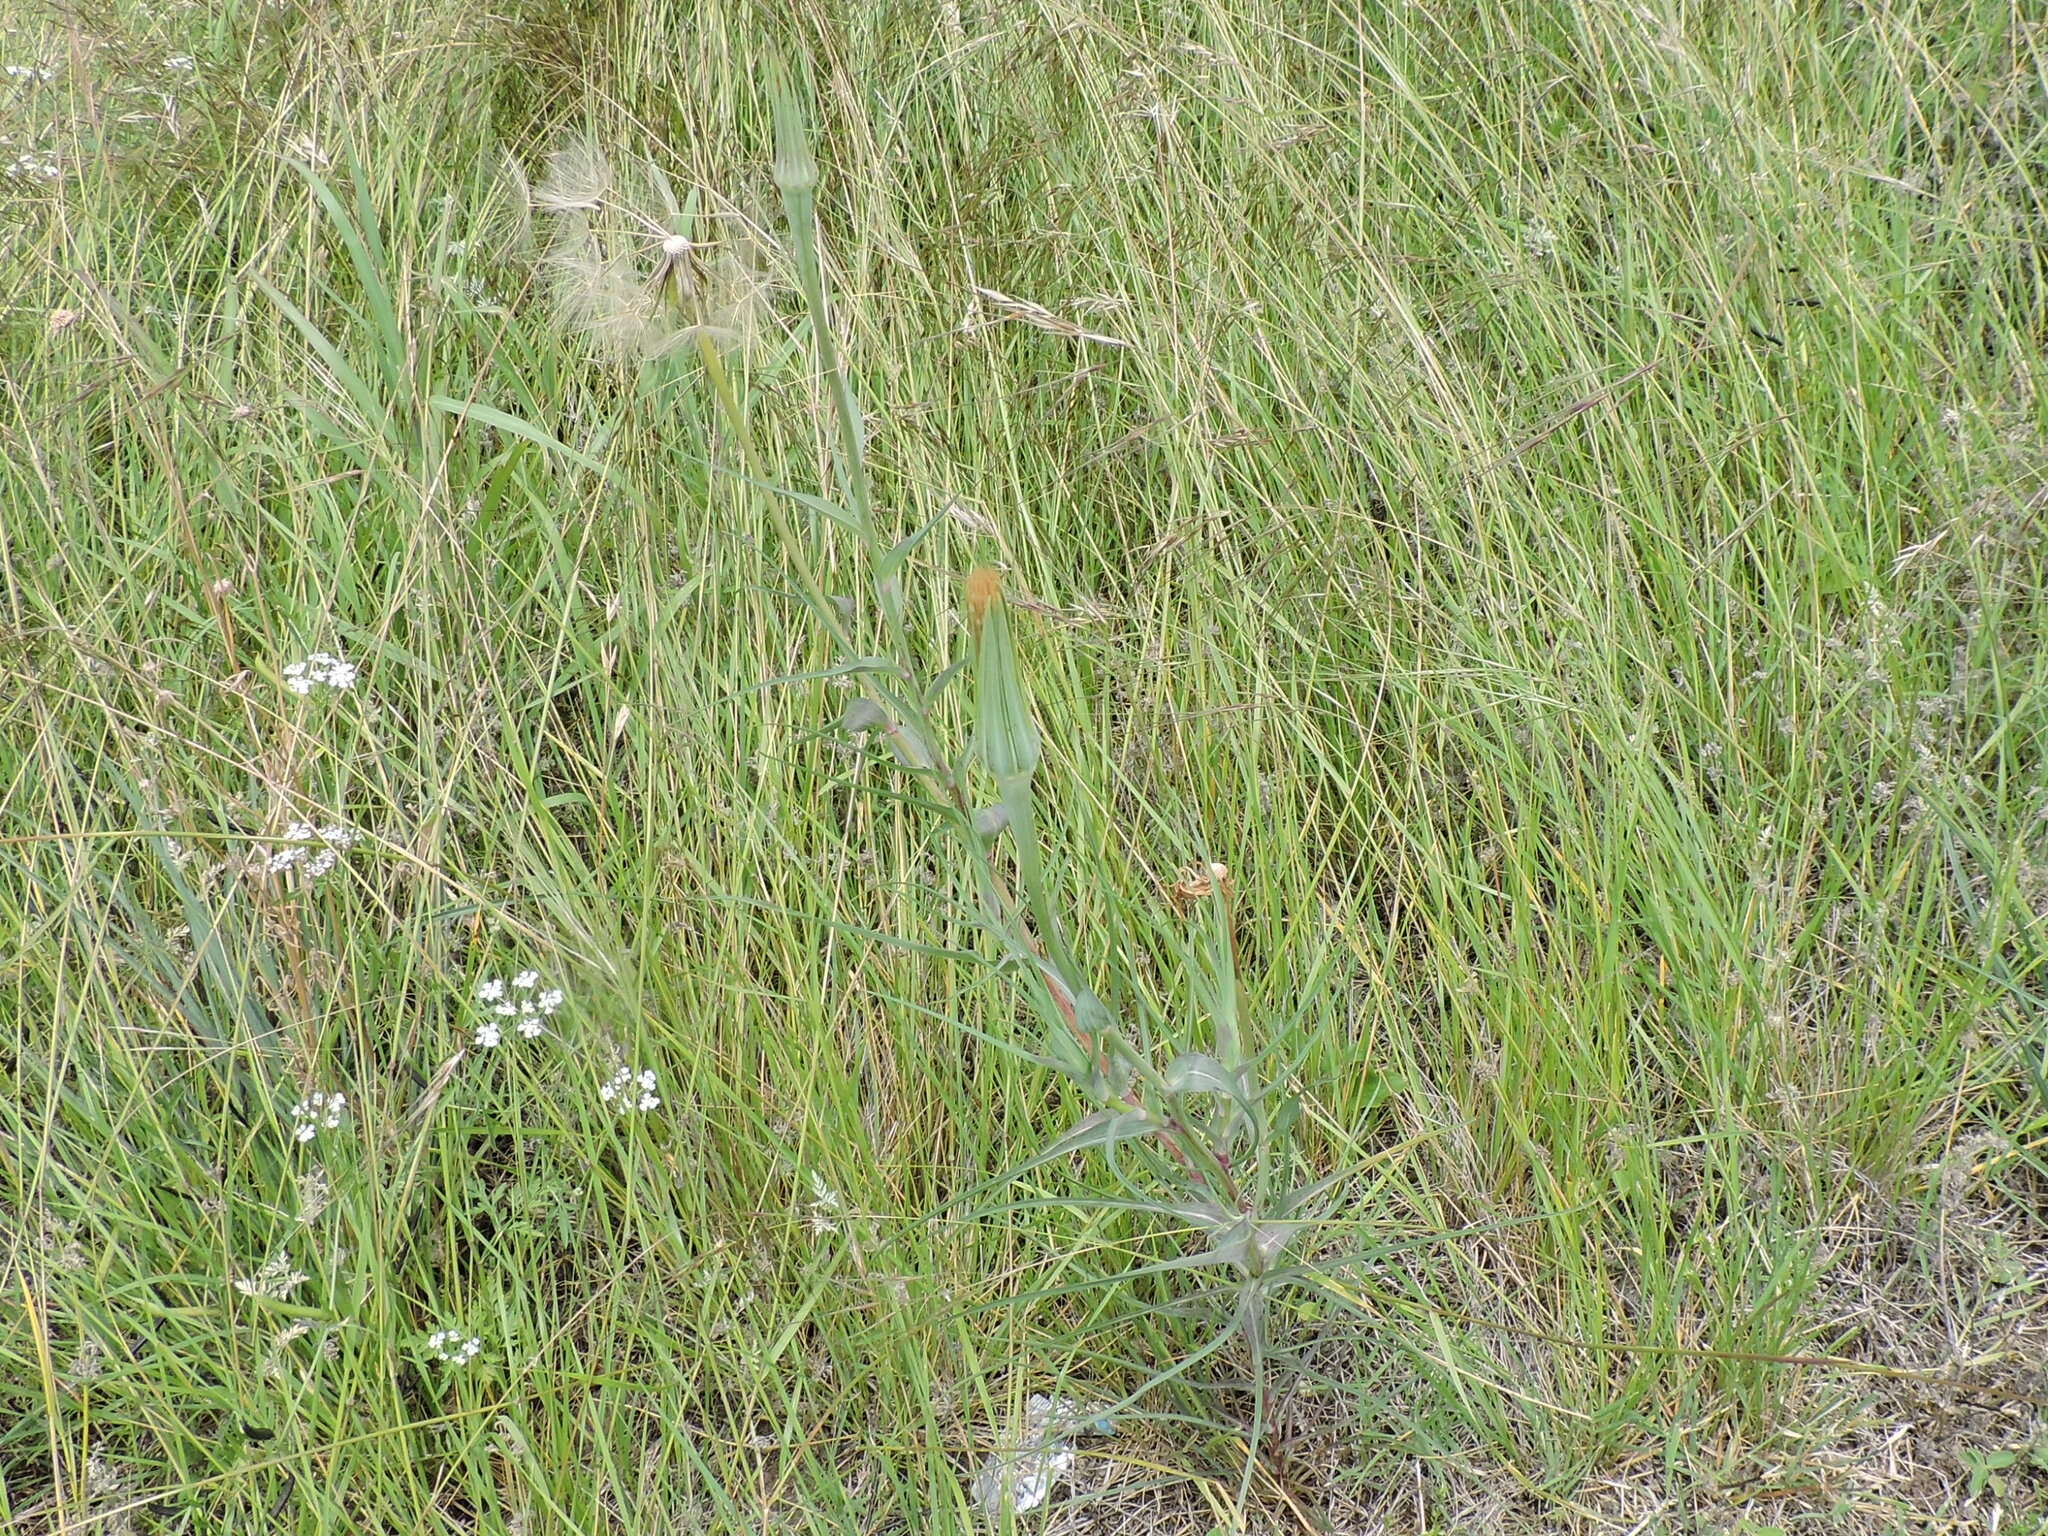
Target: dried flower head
{"x": 89, "y": 1363}
{"x": 1198, "y": 883}
{"x": 316, "y": 1193}
{"x": 36, "y": 166}
{"x": 978, "y": 523}
{"x": 275, "y": 1281}
{"x": 822, "y": 1210}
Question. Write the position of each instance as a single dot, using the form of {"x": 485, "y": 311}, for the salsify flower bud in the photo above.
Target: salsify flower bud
{"x": 984, "y": 589}
{"x": 1004, "y": 734}
{"x": 796, "y": 171}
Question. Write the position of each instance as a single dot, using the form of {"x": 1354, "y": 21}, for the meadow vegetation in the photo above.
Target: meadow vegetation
{"x": 1519, "y": 528}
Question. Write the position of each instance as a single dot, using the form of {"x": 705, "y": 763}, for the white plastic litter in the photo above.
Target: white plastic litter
{"x": 1025, "y": 1478}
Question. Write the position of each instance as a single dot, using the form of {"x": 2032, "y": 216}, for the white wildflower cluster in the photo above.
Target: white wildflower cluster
{"x": 630, "y": 1092}
{"x": 451, "y": 1346}
{"x": 1024, "y": 1478}
{"x": 181, "y": 63}
{"x": 275, "y": 1281}
{"x": 28, "y": 72}
{"x": 320, "y": 670}
{"x": 35, "y": 166}
{"x": 318, "y": 1112}
{"x": 313, "y": 850}
{"x": 522, "y": 1002}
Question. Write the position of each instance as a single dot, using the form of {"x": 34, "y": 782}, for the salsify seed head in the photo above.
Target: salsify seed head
{"x": 625, "y": 273}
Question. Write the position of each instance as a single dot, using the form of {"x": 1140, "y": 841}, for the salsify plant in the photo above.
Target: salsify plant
{"x": 1190, "y": 1137}
{"x": 1187, "y": 1136}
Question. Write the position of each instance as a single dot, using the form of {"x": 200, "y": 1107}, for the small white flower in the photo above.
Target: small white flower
{"x": 320, "y": 670}
{"x": 489, "y": 1035}
{"x": 631, "y": 1092}
{"x": 528, "y": 1010}
{"x": 452, "y": 1347}
{"x": 183, "y": 63}
{"x": 28, "y": 72}
{"x": 315, "y": 850}
{"x": 318, "y": 1112}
